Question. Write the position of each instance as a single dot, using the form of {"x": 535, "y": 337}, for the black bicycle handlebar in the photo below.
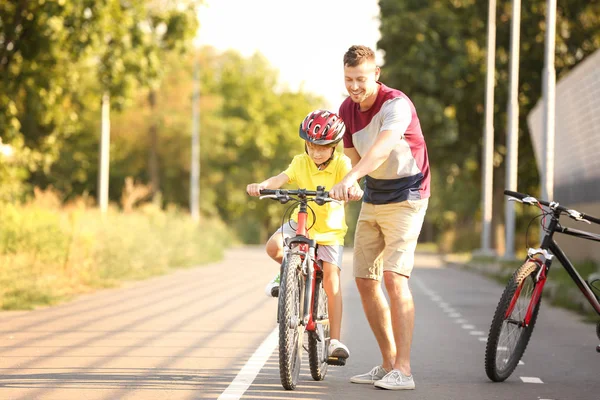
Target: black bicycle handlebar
{"x": 572, "y": 213}
{"x": 294, "y": 192}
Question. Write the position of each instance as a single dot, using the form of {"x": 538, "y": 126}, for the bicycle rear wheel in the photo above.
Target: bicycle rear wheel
{"x": 291, "y": 331}
{"x": 318, "y": 341}
{"x": 508, "y": 337}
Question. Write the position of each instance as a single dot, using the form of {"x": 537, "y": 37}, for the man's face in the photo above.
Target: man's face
{"x": 361, "y": 80}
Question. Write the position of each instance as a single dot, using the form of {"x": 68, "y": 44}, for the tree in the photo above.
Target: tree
{"x": 435, "y": 52}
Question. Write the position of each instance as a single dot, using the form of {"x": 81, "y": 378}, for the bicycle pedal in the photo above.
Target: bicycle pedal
{"x": 336, "y": 361}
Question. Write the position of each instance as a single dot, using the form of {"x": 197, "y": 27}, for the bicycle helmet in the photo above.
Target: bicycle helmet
{"x": 322, "y": 127}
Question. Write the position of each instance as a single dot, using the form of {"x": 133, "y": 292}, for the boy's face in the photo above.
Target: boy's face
{"x": 319, "y": 153}
{"x": 361, "y": 80}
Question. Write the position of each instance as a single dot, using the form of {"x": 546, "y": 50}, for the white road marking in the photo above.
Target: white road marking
{"x": 468, "y": 326}
{"x": 246, "y": 376}
{"x": 454, "y": 315}
{"x": 482, "y": 339}
{"x": 460, "y": 321}
{"x": 477, "y": 333}
{"x": 528, "y": 379}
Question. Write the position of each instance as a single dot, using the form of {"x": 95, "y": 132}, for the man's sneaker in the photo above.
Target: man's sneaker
{"x": 338, "y": 349}
{"x": 396, "y": 380}
{"x": 370, "y": 377}
{"x": 272, "y": 289}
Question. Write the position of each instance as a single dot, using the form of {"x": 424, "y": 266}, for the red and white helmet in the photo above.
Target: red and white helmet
{"x": 322, "y": 127}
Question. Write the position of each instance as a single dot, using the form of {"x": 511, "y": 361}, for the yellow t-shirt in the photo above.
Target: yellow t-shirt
{"x": 330, "y": 227}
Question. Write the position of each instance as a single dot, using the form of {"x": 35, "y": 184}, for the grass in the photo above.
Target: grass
{"x": 560, "y": 290}
{"x": 50, "y": 253}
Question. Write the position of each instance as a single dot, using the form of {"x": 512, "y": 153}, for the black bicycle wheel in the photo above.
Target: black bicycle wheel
{"x": 508, "y": 336}
{"x": 291, "y": 331}
{"x": 318, "y": 341}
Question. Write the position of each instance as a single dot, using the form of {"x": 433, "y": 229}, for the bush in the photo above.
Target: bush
{"x": 50, "y": 254}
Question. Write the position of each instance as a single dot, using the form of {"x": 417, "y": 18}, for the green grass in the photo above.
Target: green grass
{"x": 50, "y": 254}
{"x": 566, "y": 295}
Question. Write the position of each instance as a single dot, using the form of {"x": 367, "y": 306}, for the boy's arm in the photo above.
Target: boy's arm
{"x": 274, "y": 182}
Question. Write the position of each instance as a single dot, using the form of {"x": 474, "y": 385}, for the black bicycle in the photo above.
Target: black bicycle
{"x": 302, "y": 299}
{"x": 519, "y": 305}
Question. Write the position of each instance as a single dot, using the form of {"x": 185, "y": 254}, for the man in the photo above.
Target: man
{"x": 386, "y": 146}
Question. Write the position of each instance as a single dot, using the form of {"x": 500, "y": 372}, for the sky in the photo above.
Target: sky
{"x": 304, "y": 39}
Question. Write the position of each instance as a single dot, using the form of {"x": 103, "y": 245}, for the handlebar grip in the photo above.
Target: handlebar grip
{"x": 267, "y": 191}
{"x": 516, "y": 195}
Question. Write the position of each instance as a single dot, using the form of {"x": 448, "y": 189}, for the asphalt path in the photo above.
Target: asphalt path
{"x": 210, "y": 333}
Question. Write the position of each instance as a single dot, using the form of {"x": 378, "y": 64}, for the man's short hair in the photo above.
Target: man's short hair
{"x": 357, "y": 54}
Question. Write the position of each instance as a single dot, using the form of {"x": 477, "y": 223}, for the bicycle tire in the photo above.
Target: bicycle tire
{"x": 507, "y": 340}
{"x": 317, "y": 349}
{"x": 291, "y": 330}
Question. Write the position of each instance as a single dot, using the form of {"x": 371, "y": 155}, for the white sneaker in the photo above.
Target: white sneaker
{"x": 396, "y": 380}
{"x": 338, "y": 349}
{"x": 272, "y": 288}
{"x": 370, "y": 377}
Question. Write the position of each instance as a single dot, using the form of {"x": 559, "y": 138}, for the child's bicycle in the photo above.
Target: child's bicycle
{"x": 302, "y": 299}
{"x": 518, "y": 308}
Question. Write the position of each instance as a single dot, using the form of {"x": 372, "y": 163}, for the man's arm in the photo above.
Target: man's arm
{"x": 352, "y": 154}
{"x": 377, "y": 154}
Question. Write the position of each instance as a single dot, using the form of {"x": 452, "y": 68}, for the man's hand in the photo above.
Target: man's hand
{"x": 254, "y": 189}
{"x": 355, "y": 193}
{"x": 340, "y": 190}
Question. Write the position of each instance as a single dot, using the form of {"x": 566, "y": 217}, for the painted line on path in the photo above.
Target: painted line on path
{"x": 246, "y": 376}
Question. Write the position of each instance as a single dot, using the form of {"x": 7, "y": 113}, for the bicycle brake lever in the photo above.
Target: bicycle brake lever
{"x": 514, "y": 199}
{"x": 530, "y": 200}
{"x": 576, "y": 215}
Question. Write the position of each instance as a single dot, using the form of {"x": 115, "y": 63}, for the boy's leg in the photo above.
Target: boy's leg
{"x": 331, "y": 256}
{"x": 331, "y": 283}
{"x": 274, "y": 247}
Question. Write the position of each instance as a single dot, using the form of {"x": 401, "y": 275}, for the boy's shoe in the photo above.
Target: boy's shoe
{"x": 396, "y": 380}
{"x": 370, "y": 377}
{"x": 272, "y": 289}
{"x": 338, "y": 349}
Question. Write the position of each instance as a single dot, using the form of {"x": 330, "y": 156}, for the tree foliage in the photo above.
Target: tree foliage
{"x": 435, "y": 51}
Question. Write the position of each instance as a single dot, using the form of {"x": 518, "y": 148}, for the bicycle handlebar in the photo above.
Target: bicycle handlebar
{"x": 283, "y": 195}
{"x": 527, "y": 199}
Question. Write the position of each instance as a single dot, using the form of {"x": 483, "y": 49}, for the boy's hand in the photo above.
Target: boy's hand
{"x": 254, "y": 189}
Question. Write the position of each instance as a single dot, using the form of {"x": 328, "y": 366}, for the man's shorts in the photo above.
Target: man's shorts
{"x": 329, "y": 253}
{"x": 386, "y": 237}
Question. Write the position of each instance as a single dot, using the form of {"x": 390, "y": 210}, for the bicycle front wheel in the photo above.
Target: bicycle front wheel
{"x": 318, "y": 341}
{"x": 291, "y": 330}
{"x": 508, "y": 335}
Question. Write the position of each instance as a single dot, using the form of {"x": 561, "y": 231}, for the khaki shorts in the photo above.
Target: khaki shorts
{"x": 386, "y": 238}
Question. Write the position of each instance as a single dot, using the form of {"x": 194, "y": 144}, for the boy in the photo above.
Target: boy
{"x": 319, "y": 166}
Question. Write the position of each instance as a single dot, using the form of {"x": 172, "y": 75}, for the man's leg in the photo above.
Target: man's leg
{"x": 402, "y": 318}
{"x": 377, "y": 312}
{"x": 401, "y": 225}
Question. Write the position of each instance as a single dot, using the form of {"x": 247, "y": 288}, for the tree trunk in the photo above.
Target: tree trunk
{"x": 153, "y": 154}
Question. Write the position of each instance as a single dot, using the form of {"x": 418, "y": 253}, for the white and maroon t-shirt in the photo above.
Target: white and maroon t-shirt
{"x": 405, "y": 174}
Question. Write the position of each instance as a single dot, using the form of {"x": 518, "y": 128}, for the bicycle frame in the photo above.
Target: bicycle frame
{"x": 306, "y": 251}
{"x": 550, "y": 249}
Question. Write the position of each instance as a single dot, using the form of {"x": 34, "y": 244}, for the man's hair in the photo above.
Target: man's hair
{"x": 357, "y": 54}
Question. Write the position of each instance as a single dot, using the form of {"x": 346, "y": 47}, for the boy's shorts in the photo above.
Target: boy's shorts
{"x": 329, "y": 253}
{"x": 386, "y": 237}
